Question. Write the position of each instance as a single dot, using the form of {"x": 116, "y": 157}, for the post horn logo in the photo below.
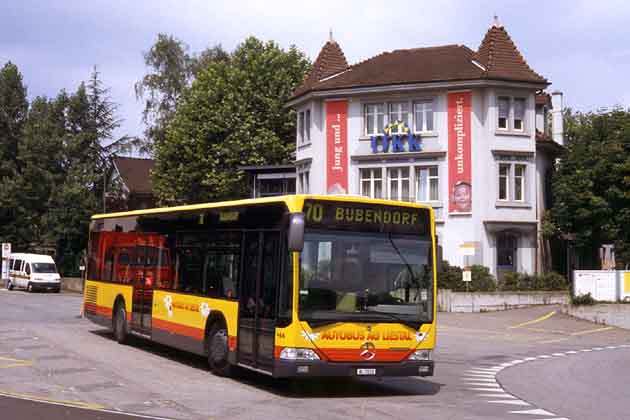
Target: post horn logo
{"x": 368, "y": 351}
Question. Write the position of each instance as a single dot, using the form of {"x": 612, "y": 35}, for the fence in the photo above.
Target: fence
{"x": 603, "y": 285}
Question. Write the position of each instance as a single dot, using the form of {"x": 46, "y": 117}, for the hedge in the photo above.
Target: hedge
{"x": 450, "y": 277}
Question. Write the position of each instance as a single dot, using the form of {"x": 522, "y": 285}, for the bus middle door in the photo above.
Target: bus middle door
{"x": 257, "y": 317}
{"x": 143, "y": 271}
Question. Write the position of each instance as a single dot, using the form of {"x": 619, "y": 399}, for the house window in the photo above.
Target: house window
{"x": 512, "y": 181}
{"x": 301, "y": 127}
{"x": 423, "y": 115}
{"x": 399, "y": 111}
{"x": 398, "y": 183}
{"x": 504, "y": 181}
{"x": 372, "y": 183}
{"x": 519, "y": 114}
{"x": 511, "y": 113}
{"x": 374, "y": 116}
{"x": 303, "y": 182}
{"x": 427, "y": 184}
{"x": 504, "y": 112}
{"x": 519, "y": 182}
{"x": 307, "y": 125}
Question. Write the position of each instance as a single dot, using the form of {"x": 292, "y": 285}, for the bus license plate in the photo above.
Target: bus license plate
{"x": 366, "y": 371}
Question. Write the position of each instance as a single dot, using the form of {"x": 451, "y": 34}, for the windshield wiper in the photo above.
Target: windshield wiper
{"x": 412, "y": 324}
{"x": 414, "y": 279}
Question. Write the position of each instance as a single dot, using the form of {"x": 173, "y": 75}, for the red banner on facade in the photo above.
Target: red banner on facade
{"x": 459, "y": 158}
{"x": 337, "y": 147}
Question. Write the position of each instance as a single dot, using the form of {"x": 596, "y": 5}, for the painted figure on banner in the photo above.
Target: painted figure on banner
{"x": 459, "y": 153}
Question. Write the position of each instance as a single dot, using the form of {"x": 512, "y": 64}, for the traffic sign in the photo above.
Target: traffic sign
{"x": 6, "y": 249}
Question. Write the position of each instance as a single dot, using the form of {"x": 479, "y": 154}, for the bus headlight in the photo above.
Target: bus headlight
{"x": 291, "y": 353}
{"x": 420, "y": 355}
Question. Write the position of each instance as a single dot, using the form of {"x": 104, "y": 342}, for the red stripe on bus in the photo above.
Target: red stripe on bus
{"x": 192, "y": 332}
{"x": 98, "y": 310}
{"x": 354, "y": 355}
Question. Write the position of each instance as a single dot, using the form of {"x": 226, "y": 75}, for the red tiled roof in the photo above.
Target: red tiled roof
{"x": 330, "y": 61}
{"x": 498, "y": 58}
{"x": 502, "y": 60}
{"x": 135, "y": 173}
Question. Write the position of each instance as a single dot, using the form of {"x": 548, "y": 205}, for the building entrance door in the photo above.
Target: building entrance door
{"x": 507, "y": 247}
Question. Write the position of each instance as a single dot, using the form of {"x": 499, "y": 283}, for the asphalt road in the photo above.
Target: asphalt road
{"x": 521, "y": 364}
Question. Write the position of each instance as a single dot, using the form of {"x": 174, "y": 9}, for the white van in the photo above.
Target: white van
{"x": 33, "y": 272}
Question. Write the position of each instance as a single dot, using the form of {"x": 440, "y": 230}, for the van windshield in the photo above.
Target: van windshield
{"x": 44, "y": 268}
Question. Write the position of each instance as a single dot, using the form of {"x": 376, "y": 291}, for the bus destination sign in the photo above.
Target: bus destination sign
{"x": 362, "y": 217}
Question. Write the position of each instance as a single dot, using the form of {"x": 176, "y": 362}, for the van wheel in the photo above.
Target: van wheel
{"x": 218, "y": 350}
{"x": 120, "y": 324}
{"x": 9, "y": 285}
{"x": 29, "y": 288}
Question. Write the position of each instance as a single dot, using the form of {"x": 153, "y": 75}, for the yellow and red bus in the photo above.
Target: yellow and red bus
{"x": 291, "y": 286}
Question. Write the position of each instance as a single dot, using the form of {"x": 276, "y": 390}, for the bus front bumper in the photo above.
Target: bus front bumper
{"x": 295, "y": 369}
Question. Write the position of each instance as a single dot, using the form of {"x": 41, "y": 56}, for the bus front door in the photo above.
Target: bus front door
{"x": 257, "y": 319}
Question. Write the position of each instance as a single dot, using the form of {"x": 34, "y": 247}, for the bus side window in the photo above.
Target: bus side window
{"x": 108, "y": 267}
{"x": 122, "y": 266}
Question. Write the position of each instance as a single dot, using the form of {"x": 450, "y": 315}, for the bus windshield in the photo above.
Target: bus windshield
{"x": 365, "y": 277}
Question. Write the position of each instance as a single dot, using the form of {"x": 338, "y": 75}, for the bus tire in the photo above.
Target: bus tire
{"x": 29, "y": 288}
{"x": 218, "y": 350}
{"x": 121, "y": 332}
{"x": 9, "y": 285}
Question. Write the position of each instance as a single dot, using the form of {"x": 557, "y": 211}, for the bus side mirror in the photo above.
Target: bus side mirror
{"x": 296, "y": 232}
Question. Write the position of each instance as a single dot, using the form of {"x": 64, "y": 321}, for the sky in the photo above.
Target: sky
{"x": 582, "y": 47}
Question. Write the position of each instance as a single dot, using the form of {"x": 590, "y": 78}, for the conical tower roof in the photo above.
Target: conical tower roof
{"x": 329, "y": 62}
{"x": 502, "y": 60}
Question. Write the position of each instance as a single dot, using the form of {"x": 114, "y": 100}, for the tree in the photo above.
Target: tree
{"x": 170, "y": 70}
{"x": 13, "y": 112}
{"x": 592, "y": 183}
{"x": 233, "y": 114}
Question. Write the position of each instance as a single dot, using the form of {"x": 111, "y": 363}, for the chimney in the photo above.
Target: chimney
{"x": 557, "y": 123}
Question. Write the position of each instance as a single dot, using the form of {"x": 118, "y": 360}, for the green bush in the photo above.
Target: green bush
{"x": 586, "y": 299}
{"x": 450, "y": 277}
{"x": 525, "y": 282}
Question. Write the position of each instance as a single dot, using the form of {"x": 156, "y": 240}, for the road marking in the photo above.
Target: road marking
{"x": 534, "y": 321}
{"x": 497, "y": 395}
{"x": 7, "y": 362}
{"x": 556, "y": 340}
{"x": 486, "y": 389}
{"x": 545, "y": 356}
{"x": 598, "y": 348}
{"x": 511, "y": 402}
{"x": 571, "y": 352}
{"x": 50, "y": 400}
{"x": 586, "y": 350}
{"x": 596, "y": 330}
{"x": 486, "y": 385}
{"x": 536, "y": 412}
{"x": 559, "y": 354}
{"x": 77, "y": 404}
{"x": 480, "y": 380}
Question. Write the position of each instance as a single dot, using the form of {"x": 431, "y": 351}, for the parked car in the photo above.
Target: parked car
{"x": 33, "y": 272}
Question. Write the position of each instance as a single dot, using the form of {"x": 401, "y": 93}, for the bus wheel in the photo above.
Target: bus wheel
{"x": 120, "y": 324}
{"x": 29, "y": 288}
{"x": 218, "y": 350}
{"x": 9, "y": 285}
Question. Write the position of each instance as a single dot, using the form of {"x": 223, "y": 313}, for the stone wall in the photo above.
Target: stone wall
{"x": 449, "y": 301}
